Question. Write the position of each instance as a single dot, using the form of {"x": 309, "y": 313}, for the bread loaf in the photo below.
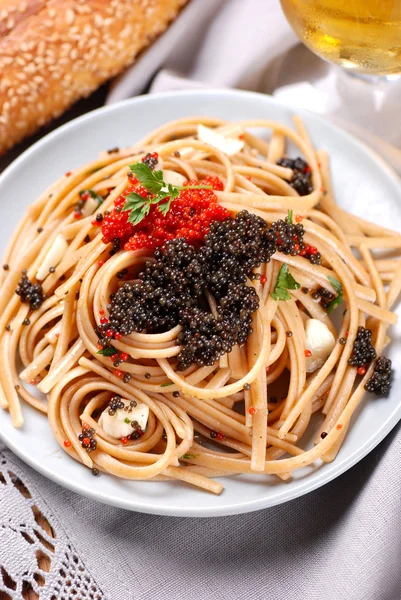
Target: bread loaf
{"x": 52, "y": 52}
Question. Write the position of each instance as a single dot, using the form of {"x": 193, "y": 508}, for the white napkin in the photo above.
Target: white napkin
{"x": 249, "y": 45}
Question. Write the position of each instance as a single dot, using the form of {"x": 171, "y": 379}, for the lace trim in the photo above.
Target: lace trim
{"x": 35, "y": 552}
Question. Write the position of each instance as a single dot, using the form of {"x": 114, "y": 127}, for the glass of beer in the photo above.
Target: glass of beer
{"x": 363, "y": 36}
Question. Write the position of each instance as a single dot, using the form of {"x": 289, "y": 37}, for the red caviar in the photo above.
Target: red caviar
{"x": 117, "y": 373}
{"x": 118, "y": 335}
{"x": 67, "y": 443}
{"x": 308, "y": 250}
{"x": 124, "y": 440}
{"x": 308, "y": 353}
{"x": 189, "y": 217}
{"x": 252, "y": 410}
{"x": 124, "y": 356}
{"x": 298, "y": 218}
{"x": 220, "y": 436}
{"x": 263, "y": 279}
{"x": 361, "y": 370}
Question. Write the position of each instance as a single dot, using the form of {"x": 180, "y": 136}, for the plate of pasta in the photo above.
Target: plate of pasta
{"x": 199, "y": 303}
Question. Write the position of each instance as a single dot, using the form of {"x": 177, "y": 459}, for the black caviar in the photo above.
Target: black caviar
{"x": 290, "y": 240}
{"x": 323, "y": 296}
{"x": 150, "y": 160}
{"x": 29, "y": 292}
{"x": 302, "y": 178}
{"x": 87, "y": 440}
{"x": 362, "y": 352}
{"x": 380, "y": 381}
{"x": 172, "y": 290}
{"x": 115, "y": 404}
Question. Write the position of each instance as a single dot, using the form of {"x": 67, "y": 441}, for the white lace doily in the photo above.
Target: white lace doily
{"x": 37, "y": 558}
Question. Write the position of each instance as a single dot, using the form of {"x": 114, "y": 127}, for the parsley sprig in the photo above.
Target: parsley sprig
{"x": 340, "y": 294}
{"x": 285, "y": 281}
{"x": 108, "y": 351}
{"x": 159, "y": 193}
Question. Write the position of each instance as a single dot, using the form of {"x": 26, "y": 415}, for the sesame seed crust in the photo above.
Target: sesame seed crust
{"x": 53, "y": 52}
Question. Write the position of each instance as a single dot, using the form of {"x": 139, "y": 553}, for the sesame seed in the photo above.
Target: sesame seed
{"x": 69, "y": 16}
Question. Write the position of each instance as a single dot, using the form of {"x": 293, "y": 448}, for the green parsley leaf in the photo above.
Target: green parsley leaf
{"x": 285, "y": 281}
{"x": 108, "y": 351}
{"x": 158, "y": 193}
{"x": 289, "y": 217}
{"x": 188, "y": 455}
{"x": 151, "y": 180}
{"x": 340, "y": 294}
{"x": 133, "y": 200}
{"x": 127, "y": 420}
{"x": 166, "y": 384}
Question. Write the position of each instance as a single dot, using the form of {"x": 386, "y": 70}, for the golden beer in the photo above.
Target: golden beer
{"x": 360, "y": 35}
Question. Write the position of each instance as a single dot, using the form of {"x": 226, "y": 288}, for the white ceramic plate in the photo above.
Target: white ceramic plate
{"x": 363, "y": 184}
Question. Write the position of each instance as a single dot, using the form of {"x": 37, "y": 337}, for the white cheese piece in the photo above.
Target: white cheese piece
{"x": 228, "y": 145}
{"x": 53, "y": 256}
{"x": 320, "y": 341}
{"x": 89, "y": 207}
{"x": 115, "y": 425}
{"x": 173, "y": 177}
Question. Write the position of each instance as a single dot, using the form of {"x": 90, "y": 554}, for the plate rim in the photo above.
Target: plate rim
{"x": 309, "y": 484}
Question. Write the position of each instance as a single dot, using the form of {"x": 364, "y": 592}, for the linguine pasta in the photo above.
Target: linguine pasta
{"x": 248, "y": 411}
